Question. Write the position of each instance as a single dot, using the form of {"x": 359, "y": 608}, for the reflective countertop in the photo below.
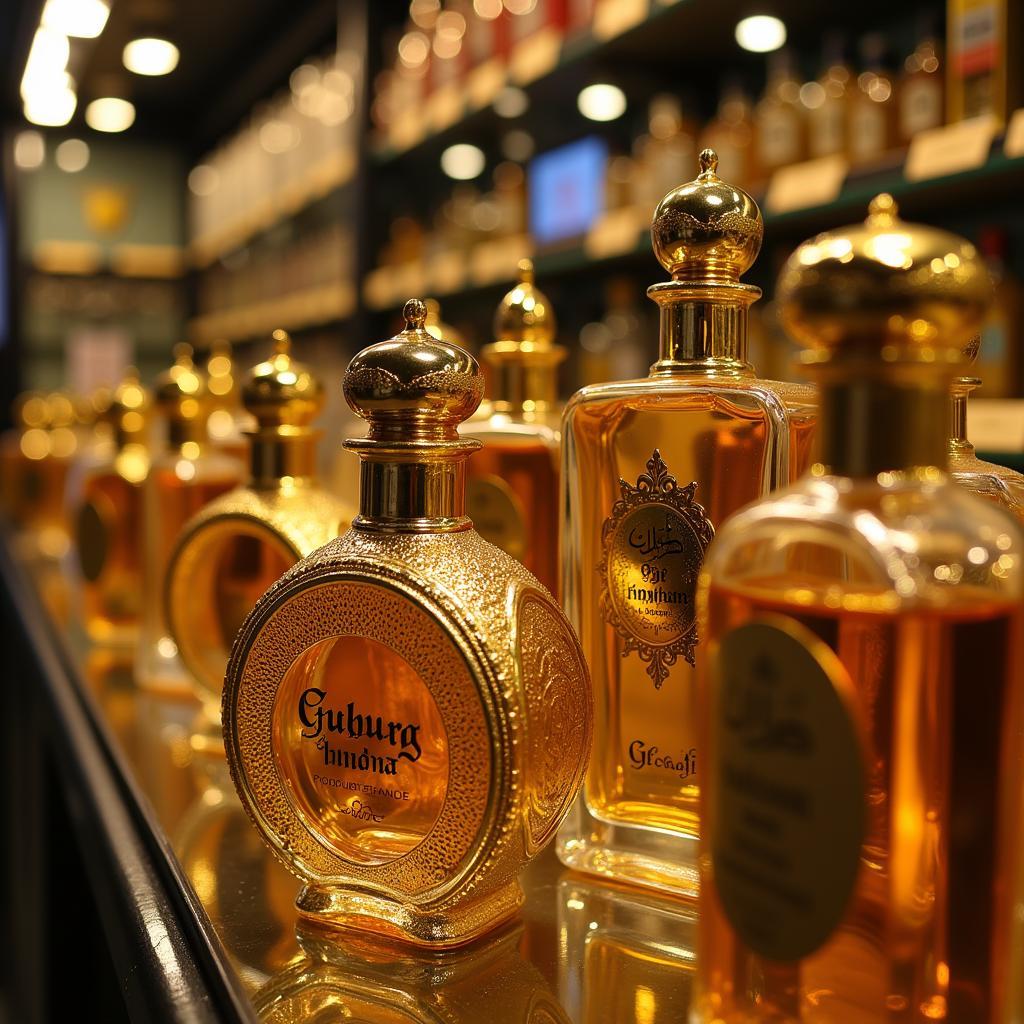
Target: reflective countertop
{"x": 582, "y": 949}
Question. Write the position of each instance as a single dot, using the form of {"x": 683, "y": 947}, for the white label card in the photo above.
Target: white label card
{"x": 951, "y": 149}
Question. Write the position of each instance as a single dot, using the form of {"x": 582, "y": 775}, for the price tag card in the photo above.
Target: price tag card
{"x": 617, "y": 232}
{"x": 613, "y": 17}
{"x": 1013, "y": 144}
{"x": 536, "y": 55}
{"x": 950, "y": 149}
{"x": 447, "y": 272}
{"x": 485, "y": 82}
{"x": 995, "y": 424}
{"x": 811, "y": 183}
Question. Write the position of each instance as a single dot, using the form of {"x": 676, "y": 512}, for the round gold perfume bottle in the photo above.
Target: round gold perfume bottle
{"x": 407, "y": 713}
{"x": 239, "y": 544}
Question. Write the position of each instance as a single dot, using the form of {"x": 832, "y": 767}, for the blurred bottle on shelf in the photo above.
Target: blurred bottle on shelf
{"x": 614, "y": 347}
{"x": 512, "y": 481}
{"x": 730, "y": 133}
{"x": 779, "y": 117}
{"x": 186, "y": 473}
{"x": 985, "y": 43}
{"x": 437, "y": 328}
{"x": 828, "y": 102}
{"x": 228, "y": 420}
{"x": 999, "y": 361}
{"x": 872, "y": 126}
{"x": 922, "y": 100}
{"x": 662, "y": 154}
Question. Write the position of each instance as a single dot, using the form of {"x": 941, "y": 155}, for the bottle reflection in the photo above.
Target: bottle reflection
{"x": 374, "y": 984}
{"x": 627, "y": 956}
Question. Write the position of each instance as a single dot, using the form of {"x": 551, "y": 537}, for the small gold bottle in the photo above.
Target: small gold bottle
{"x": 512, "y": 489}
{"x": 1000, "y": 484}
{"x": 651, "y": 468}
{"x": 184, "y": 476}
{"x": 108, "y": 520}
{"x": 239, "y": 544}
{"x": 407, "y": 712}
{"x": 860, "y": 710}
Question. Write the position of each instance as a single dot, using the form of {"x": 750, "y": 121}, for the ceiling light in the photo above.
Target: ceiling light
{"x": 511, "y": 102}
{"x": 601, "y": 102}
{"x": 47, "y": 61}
{"x": 49, "y": 102}
{"x": 72, "y": 155}
{"x": 150, "y": 56}
{"x": 760, "y": 33}
{"x": 203, "y": 180}
{"x": 462, "y": 161}
{"x": 84, "y": 19}
{"x": 110, "y": 114}
{"x": 29, "y": 150}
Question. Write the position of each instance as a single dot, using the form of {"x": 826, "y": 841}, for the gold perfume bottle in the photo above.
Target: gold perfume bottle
{"x": 1000, "y": 484}
{"x": 229, "y": 424}
{"x": 512, "y": 489}
{"x": 864, "y": 630}
{"x": 108, "y": 519}
{"x": 407, "y": 711}
{"x": 650, "y": 469}
{"x": 184, "y": 477}
{"x": 239, "y": 544}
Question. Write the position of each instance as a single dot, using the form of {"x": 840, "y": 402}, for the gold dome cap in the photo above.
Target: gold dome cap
{"x": 180, "y": 392}
{"x": 413, "y": 387}
{"x": 281, "y": 391}
{"x": 524, "y": 316}
{"x": 707, "y": 230}
{"x": 885, "y": 289}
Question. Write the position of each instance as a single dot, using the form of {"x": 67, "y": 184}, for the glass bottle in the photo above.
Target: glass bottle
{"x": 1001, "y": 334}
{"x": 108, "y": 519}
{"x": 407, "y": 712}
{"x": 229, "y": 553}
{"x": 730, "y": 133}
{"x": 185, "y": 474}
{"x": 650, "y": 468}
{"x": 780, "y": 128}
{"x": 228, "y": 424}
{"x": 512, "y": 482}
{"x": 872, "y": 124}
{"x": 1000, "y": 484}
{"x": 922, "y": 101}
{"x": 849, "y": 865}
{"x": 827, "y": 116}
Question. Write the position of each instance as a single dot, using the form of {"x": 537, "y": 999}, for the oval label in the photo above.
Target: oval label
{"x": 786, "y": 813}
{"x": 497, "y": 514}
{"x": 93, "y": 539}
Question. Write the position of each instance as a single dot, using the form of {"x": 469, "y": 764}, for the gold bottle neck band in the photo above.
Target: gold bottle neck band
{"x": 522, "y": 380}
{"x": 276, "y": 454}
{"x": 703, "y": 326}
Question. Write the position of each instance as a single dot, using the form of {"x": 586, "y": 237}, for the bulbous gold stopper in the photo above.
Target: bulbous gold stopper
{"x": 180, "y": 392}
{"x": 281, "y": 391}
{"x": 413, "y": 387}
{"x": 707, "y": 230}
{"x": 885, "y": 289}
{"x": 524, "y": 315}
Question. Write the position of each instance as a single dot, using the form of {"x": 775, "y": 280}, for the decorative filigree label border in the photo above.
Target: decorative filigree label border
{"x": 655, "y": 487}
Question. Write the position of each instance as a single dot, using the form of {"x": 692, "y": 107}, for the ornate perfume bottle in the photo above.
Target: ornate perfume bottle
{"x": 185, "y": 476}
{"x": 108, "y": 519}
{"x": 407, "y": 712}
{"x": 239, "y": 544}
{"x": 650, "y": 468}
{"x": 512, "y": 489}
{"x": 1000, "y": 484}
{"x": 864, "y": 630}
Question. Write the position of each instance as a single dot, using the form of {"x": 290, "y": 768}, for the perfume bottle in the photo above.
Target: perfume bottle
{"x": 237, "y": 546}
{"x": 828, "y": 109}
{"x": 872, "y": 122}
{"x": 228, "y": 424}
{"x": 650, "y": 468}
{"x": 849, "y": 858}
{"x": 730, "y": 133}
{"x": 407, "y": 712}
{"x": 779, "y": 118}
{"x": 185, "y": 475}
{"x": 108, "y": 519}
{"x": 1000, "y": 484}
{"x": 922, "y": 101}
{"x": 512, "y": 482}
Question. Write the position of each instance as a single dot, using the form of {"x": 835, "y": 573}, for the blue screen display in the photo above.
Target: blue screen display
{"x": 567, "y": 190}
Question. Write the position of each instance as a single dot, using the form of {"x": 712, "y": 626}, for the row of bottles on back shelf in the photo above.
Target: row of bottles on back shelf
{"x": 822, "y": 697}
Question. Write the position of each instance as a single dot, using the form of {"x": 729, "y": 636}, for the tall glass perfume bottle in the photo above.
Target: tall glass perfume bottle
{"x": 512, "y": 485}
{"x": 849, "y": 865}
{"x": 239, "y": 544}
{"x": 184, "y": 476}
{"x": 650, "y": 469}
{"x": 1000, "y": 484}
{"x": 407, "y": 712}
{"x": 108, "y": 519}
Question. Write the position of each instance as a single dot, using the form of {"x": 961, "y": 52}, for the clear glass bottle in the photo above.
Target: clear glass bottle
{"x": 512, "y": 482}
{"x": 865, "y": 630}
{"x": 407, "y": 712}
{"x": 922, "y": 94}
{"x": 1000, "y": 484}
{"x": 237, "y": 546}
{"x": 186, "y": 473}
{"x": 650, "y": 468}
{"x": 108, "y": 519}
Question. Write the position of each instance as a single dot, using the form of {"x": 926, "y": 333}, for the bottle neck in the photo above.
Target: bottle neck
{"x": 958, "y": 394}
{"x": 703, "y": 327}
{"x": 521, "y": 380}
{"x": 869, "y": 425}
{"x": 412, "y": 486}
{"x": 282, "y": 452}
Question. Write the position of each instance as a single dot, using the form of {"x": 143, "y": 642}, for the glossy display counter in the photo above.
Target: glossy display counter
{"x": 129, "y": 858}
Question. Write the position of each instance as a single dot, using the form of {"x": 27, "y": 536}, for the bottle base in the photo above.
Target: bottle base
{"x": 410, "y": 925}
